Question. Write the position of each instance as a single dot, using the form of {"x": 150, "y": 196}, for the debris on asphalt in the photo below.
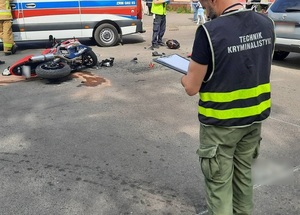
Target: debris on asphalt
{"x": 107, "y": 62}
{"x": 151, "y": 48}
{"x": 155, "y": 54}
{"x": 6, "y": 72}
{"x": 134, "y": 60}
{"x": 151, "y": 65}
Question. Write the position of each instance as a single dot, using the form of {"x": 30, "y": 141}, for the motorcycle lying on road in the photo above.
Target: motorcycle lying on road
{"x": 56, "y": 62}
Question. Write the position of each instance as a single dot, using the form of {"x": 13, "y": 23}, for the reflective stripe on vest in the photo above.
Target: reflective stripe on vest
{"x": 240, "y": 112}
{"x": 235, "y": 95}
{"x": 8, "y": 45}
{"x": 236, "y": 112}
{"x": 5, "y": 13}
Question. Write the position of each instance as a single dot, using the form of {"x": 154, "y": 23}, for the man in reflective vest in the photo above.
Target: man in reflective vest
{"x": 159, "y": 11}
{"x": 6, "y": 34}
{"x": 230, "y": 69}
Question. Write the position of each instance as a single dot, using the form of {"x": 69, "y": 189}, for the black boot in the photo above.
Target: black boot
{"x": 14, "y": 48}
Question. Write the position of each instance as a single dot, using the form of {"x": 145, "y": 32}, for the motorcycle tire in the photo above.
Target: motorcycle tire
{"x": 89, "y": 59}
{"x": 51, "y": 70}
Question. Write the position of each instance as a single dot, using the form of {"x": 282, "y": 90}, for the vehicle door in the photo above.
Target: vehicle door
{"x": 18, "y": 21}
{"x": 60, "y": 18}
{"x": 286, "y": 15}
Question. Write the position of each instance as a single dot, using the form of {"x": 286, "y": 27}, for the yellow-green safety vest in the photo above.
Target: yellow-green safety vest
{"x": 160, "y": 9}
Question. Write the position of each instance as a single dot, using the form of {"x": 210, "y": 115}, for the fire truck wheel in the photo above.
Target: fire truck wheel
{"x": 106, "y": 35}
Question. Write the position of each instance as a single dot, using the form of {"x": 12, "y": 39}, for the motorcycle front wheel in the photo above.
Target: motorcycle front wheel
{"x": 53, "y": 70}
{"x": 89, "y": 59}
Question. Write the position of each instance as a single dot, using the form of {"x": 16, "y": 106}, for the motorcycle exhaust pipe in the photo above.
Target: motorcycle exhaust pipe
{"x": 67, "y": 59}
{"x": 41, "y": 58}
{"x": 48, "y": 57}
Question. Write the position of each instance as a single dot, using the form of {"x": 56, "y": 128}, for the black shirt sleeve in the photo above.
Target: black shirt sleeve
{"x": 201, "y": 50}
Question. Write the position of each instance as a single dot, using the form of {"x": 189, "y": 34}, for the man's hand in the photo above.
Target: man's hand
{"x": 193, "y": 80}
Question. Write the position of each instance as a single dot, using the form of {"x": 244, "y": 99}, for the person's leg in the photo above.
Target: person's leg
{"x": 203, "y": 18}
{"x": 194, "y": 8}
{"x": 217, "y": 146}
{"x": 246, "y": 150}
{"x": 145, "y": 7}
{"x": 156, "y": 29}
{"x": 201, "y": 14}
{"x": 1, "y": 29}
{"x": 199, "y": 18}
{"x": 9, "y": 46}
{"x": 1, "y": 37}
{"x": 149, "y": 8}
{"x": 162, "y": 29}
{"x": 8, "y": 39}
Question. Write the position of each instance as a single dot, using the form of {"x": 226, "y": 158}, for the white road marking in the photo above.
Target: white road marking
{"x": 279, "y": 120}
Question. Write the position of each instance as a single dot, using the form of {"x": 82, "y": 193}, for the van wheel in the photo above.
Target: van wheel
{"x": 106, "y": 35}
{"x": 280, "y": 55}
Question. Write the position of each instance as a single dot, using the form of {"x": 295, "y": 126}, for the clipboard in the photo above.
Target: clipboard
{"x": 175, "y": 62}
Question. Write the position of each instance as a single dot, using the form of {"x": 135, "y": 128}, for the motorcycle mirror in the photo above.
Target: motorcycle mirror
{"x": 50, "y": 38}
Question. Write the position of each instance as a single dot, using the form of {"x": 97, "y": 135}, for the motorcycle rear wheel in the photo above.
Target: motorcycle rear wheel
{"x": 53, "y": 70}
{"x": 89, "y": 59}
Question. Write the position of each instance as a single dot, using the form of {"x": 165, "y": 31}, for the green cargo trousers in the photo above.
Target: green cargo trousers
{"x": 226, "y": 156}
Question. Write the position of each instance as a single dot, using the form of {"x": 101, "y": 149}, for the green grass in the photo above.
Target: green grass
{"x": 179, "y": 9}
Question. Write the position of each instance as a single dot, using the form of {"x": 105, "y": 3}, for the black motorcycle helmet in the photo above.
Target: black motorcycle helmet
{"x": 173, "y": 44}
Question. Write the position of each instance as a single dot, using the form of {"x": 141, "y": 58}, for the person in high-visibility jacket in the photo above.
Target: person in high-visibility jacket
{"x": 230, "y": 70}
{"x": 159, "y": 11}
{"x": 6, "y": 34}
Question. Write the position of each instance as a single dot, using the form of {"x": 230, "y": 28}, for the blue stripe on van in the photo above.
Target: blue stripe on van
{"x": 51, "y": 5}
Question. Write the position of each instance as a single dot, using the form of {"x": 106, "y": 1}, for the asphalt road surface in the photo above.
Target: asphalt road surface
{"x": 121, "y": 140}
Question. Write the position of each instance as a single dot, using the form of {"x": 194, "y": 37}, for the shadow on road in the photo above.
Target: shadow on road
{"x": 129, "y": 39}
{"x": 292, "y": 61}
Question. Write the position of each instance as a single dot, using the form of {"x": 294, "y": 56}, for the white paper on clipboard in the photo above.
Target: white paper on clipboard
{"x": 175, "y": 61}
